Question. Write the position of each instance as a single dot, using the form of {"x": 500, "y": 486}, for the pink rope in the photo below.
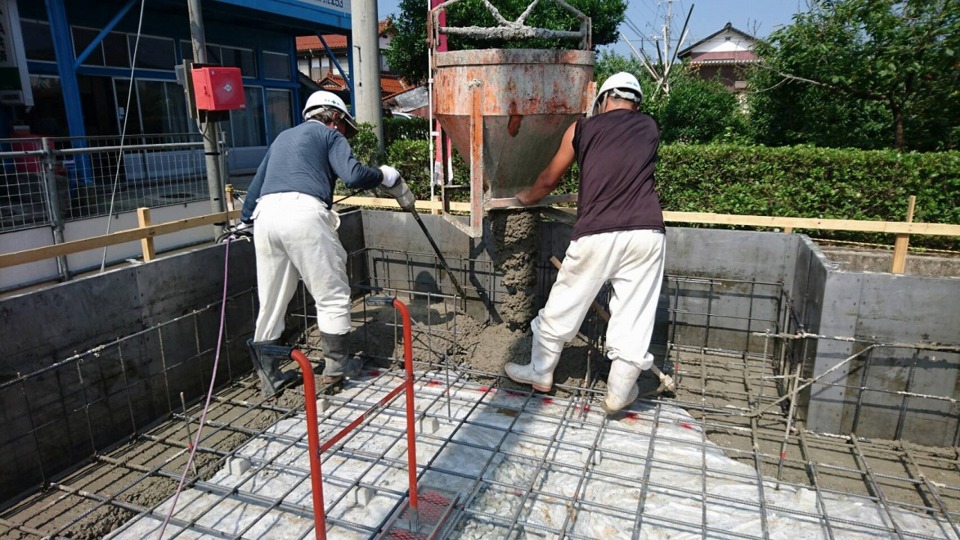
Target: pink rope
{"x": 206, "y": 405}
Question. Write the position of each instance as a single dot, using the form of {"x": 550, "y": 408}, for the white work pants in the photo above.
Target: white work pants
{"x": 633, "y": 263}
{"x": 296, "y": 236}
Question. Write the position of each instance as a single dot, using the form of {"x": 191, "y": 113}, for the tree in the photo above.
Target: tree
{"x": 407, "y": 54}
{"x": 862, "y": 64}
{"x": 695, "y": 111}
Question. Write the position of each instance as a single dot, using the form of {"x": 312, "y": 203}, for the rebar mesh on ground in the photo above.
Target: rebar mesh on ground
{"x": 531, "y": 465}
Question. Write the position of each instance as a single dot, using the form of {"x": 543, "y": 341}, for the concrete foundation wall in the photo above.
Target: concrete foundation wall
{"x": 88, "y": 363}
{"x": 877, "y": 391}
{"x": 742, "y": 288}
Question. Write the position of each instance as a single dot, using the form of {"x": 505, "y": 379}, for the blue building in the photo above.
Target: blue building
{"x": 94, "y": 123}
{"x": 81, "y": 56}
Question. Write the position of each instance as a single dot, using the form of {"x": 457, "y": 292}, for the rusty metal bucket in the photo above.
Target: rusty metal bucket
{"x": 505, "y": 111}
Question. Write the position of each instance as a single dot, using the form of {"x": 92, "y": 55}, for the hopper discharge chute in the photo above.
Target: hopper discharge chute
{"x": 505, "y": 110}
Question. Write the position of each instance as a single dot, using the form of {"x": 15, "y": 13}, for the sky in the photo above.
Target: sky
{"x": 757, "y": 17}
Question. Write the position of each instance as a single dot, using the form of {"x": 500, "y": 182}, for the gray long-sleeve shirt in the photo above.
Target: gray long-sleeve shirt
{"x": 308, "y": 158}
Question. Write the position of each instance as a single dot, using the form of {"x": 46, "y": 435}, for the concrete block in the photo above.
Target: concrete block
{"x": 428, "y": 425}
{"x": 363, "y": 495}
{"x": 238, "y": 465}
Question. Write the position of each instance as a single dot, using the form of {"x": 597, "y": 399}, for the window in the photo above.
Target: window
{"x": 153, "y": 52}
{"x": 213, "y": 54}
{"x": 276, "y": 66}
{"x": 163, "y": 107}
{"x": 115, "y": 50}
{"x": 37, "y": 41}
{"x": 247, "y": 124}
{"x": 222, "y": 55}
{"x": 241, "y": 58}
{"x": 82, "y": 38}
{"x": 186, "y": 49}
{"x": 48, "y": 116}
{"x": 111, "y": 51}
{"x": 278, "y": 112}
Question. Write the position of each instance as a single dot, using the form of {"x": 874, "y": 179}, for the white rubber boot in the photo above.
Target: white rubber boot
{"x": 544, "y": 357}
{"x": 622, "y": 387}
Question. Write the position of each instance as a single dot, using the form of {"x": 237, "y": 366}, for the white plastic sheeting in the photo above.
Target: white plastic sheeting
{"x": 534, "y": 464}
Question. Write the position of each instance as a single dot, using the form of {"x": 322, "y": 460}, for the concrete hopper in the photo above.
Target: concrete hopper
{"x": 505, "y": 110}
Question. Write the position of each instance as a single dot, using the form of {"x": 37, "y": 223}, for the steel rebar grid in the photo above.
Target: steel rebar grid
{"x": 706, "y": 373}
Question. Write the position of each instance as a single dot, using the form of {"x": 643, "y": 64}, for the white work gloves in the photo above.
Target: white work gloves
{"x": 390, "y": 176}
{"x": 394, "y": 186}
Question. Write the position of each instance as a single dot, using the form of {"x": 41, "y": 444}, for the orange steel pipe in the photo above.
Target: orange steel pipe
{"x": 411, "y": 435}
{"x": 313, "y": 436}
{"x": 313, "y": 442}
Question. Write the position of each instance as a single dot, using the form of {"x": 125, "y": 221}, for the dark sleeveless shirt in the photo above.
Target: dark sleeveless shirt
{"x": 617, "y": 153}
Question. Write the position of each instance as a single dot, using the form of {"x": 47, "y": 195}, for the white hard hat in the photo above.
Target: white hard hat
{"x": 323, "y": 99}
{"x": 624, "y": 85}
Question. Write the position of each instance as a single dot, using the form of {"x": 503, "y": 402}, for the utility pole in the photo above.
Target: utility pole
{"x": 660, "y": 71}
{"x": 208, "y": 128}
{"x": 667, "y": 20}
{"x": 366, "y": 63}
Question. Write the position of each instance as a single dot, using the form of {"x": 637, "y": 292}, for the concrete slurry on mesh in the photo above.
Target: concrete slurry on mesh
{"x": 537, "y": 464}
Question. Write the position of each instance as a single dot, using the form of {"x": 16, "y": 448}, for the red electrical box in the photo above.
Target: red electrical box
{"x": 218, "y": 89}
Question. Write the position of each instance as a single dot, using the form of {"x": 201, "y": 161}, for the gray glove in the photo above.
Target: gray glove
{"x": 394, "y": 186}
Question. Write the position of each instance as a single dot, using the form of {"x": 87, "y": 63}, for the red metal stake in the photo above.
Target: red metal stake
{"x": 313, "y": 435}
{"x": 313, "y": 442}
{"x": 411, "y": 435}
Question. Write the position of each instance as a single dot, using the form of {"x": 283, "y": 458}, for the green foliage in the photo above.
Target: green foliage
{"x": 407, "y": 54}
{"x": 695, "y": 111}
{"x": 412, "y": 158}
{"x": 862, "y": 73}
{"x": 800, "y": 181}
{"x": 792, "y": 113}
{"x": 813, "y": 183}
{"x": 365, "y": 145}
{"x": 609, "y": 62}
{"x": 415, "y": 128}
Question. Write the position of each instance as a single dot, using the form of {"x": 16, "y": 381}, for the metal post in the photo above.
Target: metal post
{"x": 366, "y": 55}
{"x": 208, "y": 128}
{"x": 53, "y": 202}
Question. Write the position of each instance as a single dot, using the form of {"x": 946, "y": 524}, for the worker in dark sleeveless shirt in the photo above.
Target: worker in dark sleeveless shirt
{"x": 618, "y": 237}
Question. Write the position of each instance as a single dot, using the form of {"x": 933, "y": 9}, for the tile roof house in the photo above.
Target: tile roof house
{"x": 314, "y": 61}
{"x": 725, "y": 54}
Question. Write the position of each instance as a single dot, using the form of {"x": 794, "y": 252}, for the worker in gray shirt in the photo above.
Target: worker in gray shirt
{"x": 290, "y": 202}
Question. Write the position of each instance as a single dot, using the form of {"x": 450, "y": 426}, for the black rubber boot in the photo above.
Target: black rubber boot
{"x": 337, "y": 362}
{"x": 266, "y": 356}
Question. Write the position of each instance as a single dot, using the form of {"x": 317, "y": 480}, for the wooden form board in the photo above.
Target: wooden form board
{"x": 147, "y": 233}
{"x": 119, "y": 237}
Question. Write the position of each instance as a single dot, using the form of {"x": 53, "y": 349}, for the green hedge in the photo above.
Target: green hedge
{"x": 787, "y": 181}
{"x": 814, "y": 183}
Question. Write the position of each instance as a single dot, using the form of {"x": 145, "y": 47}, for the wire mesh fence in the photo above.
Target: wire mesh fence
{"x": 50, "y": 180}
